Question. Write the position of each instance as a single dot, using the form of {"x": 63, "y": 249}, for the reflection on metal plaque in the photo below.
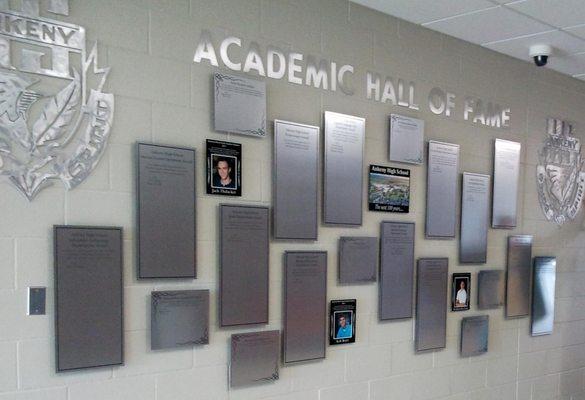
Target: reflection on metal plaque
{"x": 560, "y": 174}
{"x": 53, "y": 125}
{"x": 543, "y": 296}
{"x": 505, "y": 192}
{"x": 474, "y": 335}
{"x": 490, "y": 289}
{"x": 474, "y": 218}
{"x": 518, "y": 275}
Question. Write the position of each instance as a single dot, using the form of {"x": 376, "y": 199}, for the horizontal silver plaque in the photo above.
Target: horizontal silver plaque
{"x": 358, "y": 259}
{"x": 506, "y": 174}
{"x": 518, "y": 275}
{"x": 491, "y": 285}
{"x": 474, "y": 335}
{"x": 474, "y": 218}
{"x": 431, "y": 304}
{"x": 543, "y": 296}
{"x": 254, "y": 358}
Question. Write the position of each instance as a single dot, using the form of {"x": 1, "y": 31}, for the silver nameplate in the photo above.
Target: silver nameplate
{"x": 305, "y": 304}
{"x": 442, "y": 178}
{"x": 543, "y": 296}
{"x": 358, "y": 259}
{"x": 518, "y": 276}
{"x": 254, "y": 358}
{"x": 166, "y": 211}
{"x": 344, "y": 169}
{"x": 431, "y": 303}
{"x": 506, "y": 173}
{"x": 474, "y": 335}
{"x": 243, "y": 265}
{"x": 296, "y": 171}
{"x": 491, "y": 286}
{"x": 475, "y": 200}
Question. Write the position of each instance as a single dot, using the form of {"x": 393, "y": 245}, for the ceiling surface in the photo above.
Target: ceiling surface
{"x": 509, "y": 27}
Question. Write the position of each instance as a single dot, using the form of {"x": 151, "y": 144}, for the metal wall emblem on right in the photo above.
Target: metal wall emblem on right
{"x": 560, "y": 173}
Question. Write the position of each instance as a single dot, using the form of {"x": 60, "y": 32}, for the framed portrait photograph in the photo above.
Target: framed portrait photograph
{"x": 224, "y": 168}
{"x": 460, "y": 292}
{"x": 342, "y": 321}
{"x": 389, "y": 189}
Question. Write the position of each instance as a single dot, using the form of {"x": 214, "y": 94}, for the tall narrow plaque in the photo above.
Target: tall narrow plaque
{"x": 254, "y": 358}
{"x": 296, "y": 169}
{"x": 243, "y": 265}
{"x": 305, "y": 304}
{"x": 474, "y": 218}
{"x": 166, "y": 211}
{"x": 543, "y": 296}
{"x": 474, "y": 335}
{"x": 506, "y": 173}
{"x": 518, "y": 276}
{"x": 344, "y": 163}
{"x": 89, "y": 313}
{"x": 491, "y": 286}
{"x": 358, "y": 259}
{"x": 442, "y": 173}
{"x": 431, "y": 304}
{"x": 396, "y": 270}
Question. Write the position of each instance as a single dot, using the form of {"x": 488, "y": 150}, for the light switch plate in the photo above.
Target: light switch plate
{"x": 37, "y": 298}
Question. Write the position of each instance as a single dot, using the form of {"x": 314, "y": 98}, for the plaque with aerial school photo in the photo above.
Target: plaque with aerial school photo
{"x": 389, "y": 189}
{"x": 224, "y": 168}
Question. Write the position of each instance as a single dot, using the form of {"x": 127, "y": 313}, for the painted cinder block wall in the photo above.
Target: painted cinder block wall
{"x": 162, "y": 96}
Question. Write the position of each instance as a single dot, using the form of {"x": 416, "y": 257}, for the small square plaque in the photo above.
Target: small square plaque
{"x": 254, "y": 358}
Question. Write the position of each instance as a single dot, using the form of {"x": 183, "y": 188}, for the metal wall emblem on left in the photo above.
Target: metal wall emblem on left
{"x": 55, "y": 119}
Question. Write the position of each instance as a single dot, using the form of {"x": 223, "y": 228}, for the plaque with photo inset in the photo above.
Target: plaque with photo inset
{"x": 491, "y": 286}
{"x": 474, "y": 335}
{"x": 474, "y": 218}
{"x": 506, "y": 175}
{"x": 342, "y": 321}
{"x": 543, "y": 296}
{"x": 358, "y": 259}
{"x": 518, "y": 276}
{"x": 224, "y": 168}
{"x": 254, "y": 358}
{"x": 431, "y": 304}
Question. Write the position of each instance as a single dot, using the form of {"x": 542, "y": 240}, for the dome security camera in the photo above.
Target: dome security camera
{"x": 540, "y": 54}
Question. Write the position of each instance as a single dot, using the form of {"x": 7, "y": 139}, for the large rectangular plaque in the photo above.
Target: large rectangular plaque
{"x": 254, "y": 358}
{"x": 179, "y": 318}
{"x": 166, "y": 211}
{"x": 243, "y": 265}
{"x": 475, "y": 199}
{"x": 407, "y": 139}
{"x": 296, "y": 169}
{"x": 442, "y": 174}
{"x": 518, "y": 276}
{"x": 431, "y": 303}
{"x": 491, "y": 286}
{"x": 305, "y": 303}
{"x": 543, "y": 296}
{"x": 343, "y": 165}
{"x": 505, "y": 192}
{"x": 358, "y": 259}
{"x": 396, "y": 270}
{"x": 474, "y": 335}
{"x": 89, "y": 313}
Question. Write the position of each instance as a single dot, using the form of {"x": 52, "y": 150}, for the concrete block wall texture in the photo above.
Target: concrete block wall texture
{"x": 162, "y": 96}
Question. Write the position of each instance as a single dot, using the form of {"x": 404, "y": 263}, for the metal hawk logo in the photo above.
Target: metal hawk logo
{"x": 561, "y": 179}
{"x": 54, "y": 118}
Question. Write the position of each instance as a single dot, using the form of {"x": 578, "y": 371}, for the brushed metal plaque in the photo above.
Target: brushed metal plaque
{"x": 442, "y": 178}
{"x": 243, "y": 265}
{"x": 407, "y": 139}
{"x": 296, "y": 169}
{"x": 254, "y": 358}
{"x": 89, "y": 313}
{"x": 396, "y": 270}
{"x": 166, "y": 211}
{"x": 491, "y": 285}
{"x": 305, "y": 304}
{"x": 179, "y": 318}
{"x": 431, "y": 303}
{"x": 505, "y": 192}
{"x": 518, "y": 276}
{"x": 358, "y": 259}
{"x": 343, "y": 169}
{"x": 475, "y": 200}
{"x": 543, "y": 296}
{"x": 474, "y": 335}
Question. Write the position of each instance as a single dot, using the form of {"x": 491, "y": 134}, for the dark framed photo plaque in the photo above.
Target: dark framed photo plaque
{"x": 342, "y": 321}
{"x": 460, "y": 291}
{"x": 224, "y": 168}
{"x": 389, "y": 189}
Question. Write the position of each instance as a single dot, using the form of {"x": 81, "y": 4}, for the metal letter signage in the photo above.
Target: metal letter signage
{"x": 560, "y": 174}
{"x": 52, "y": 125}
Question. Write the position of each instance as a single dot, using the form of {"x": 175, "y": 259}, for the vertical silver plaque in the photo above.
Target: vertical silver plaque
{"x": 358, "y": 259}
{"x": 491, "y": 285}
{"x": 305, "y": 303}
{"x": 506, "y": 173}
{"x": 254, "y": 358}
{"x": 431, "y": 303}
{"x": 296, "y": 169}
{"x": 543, "y": 296}
{"x": 518, "y": 276}
{"x": 474, "y": 218}
{"x": 407, "y": 139}
{"x": 166, "y": 211}
{"x": 179, "y": 318}
{"x": 442, "y": 177}
{"x": 474, "y": 335}
{"x": 89, "y": 313}
{"x": 396, "y": 270}
{"x": 243, "y": 265}
{"x": 343, "y": 164}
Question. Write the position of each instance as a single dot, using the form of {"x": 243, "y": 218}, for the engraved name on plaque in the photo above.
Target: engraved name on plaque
{"x": 166, "y": 211}
{"x": 518, "y": 276}
{"x": 343, "y": 169}
{"x": 305, "y": 303}
{"x": 505, "y": 192}
{"x": 431, "y": 304}
{"x": 474, "y": 218}
{"x": 442, "y": 174}
{"x": 243, "y": 265}
{"x": 254, "y": 358}
{"x": 396, "y": 270}
{"x": 543, "y": 296}
{"x": 474, "y": 335}
{"x": 491, "y": 286}
{"x": 358, "y": 259}
{"x": 89, "y": 313}
{"x": 296, "y": 169}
